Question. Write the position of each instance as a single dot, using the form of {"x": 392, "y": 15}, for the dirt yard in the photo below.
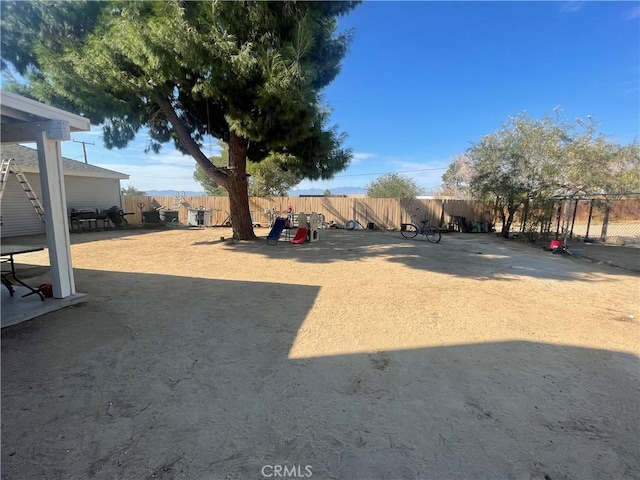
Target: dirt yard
{"x": 363, "y": 356}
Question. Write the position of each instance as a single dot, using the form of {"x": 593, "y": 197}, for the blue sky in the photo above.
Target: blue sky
{"x": 423, "y": 80}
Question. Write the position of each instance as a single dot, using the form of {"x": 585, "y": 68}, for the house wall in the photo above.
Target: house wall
{"x": 19, "y": 217}
{"x": 85, "y": 192}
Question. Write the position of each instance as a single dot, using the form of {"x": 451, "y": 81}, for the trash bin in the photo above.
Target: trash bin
{"x": 151, "y": 216}
{"x": 200, "y": 217}
{"x": 168, "y": 215}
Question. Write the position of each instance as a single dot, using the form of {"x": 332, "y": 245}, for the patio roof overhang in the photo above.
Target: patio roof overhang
{"x": 23, "y": 120}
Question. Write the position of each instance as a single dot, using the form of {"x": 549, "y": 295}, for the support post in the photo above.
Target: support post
{"x": 586, "y": 235}
{"x": 573, "y": 219}
{"x": 558, "y": 215}
{"x": 55, "y": 212}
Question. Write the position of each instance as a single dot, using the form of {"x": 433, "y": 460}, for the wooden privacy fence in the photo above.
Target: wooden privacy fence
{"x": 386, "y": 213}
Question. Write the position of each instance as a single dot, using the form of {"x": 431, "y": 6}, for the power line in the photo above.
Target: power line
{"x": 386, "y": 173}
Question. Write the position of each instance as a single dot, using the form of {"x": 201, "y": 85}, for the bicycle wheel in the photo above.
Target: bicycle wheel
{"x": 432, "y": 234}
{"x": 408, "y": 230}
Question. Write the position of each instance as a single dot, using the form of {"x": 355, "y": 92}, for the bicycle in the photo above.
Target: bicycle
{"x": 410, "y": 230}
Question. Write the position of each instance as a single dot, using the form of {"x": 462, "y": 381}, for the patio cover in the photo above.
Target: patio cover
{"x": 26, "y": 121}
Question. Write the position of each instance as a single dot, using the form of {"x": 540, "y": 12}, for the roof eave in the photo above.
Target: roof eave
{"x": 26, "y": 110}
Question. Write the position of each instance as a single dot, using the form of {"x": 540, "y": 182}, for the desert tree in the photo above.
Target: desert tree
{"x": 518, "y": 164}
{"x": 533, "y": 164}
{"x": 208, "y": 184}
{"x": 456, "y": 181}
{"x": 272, "y": 176}
{"x": 393, "y": 185}
{"x": 268, "y": 177}
{"x": 132, "y": 191}
{"x": 600, "y": 168}
{"x": 597, "y": 165}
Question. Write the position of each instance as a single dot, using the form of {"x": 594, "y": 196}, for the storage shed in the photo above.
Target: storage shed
{"x": 86, "y": 187}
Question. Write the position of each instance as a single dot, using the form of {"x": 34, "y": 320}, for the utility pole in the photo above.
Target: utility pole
{"x": 84, "y": 149}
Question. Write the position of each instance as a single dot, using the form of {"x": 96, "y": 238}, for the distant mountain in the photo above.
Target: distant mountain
{"x": 334, "y": 191}
{"x": 167, "y": 193}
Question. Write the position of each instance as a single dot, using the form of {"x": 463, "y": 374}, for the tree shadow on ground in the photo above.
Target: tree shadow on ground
{"x": 481, "y": 257}
{"x": 196, "y": 378}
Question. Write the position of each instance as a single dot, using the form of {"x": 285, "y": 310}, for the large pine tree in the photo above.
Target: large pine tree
{"x": 248, "y": 73}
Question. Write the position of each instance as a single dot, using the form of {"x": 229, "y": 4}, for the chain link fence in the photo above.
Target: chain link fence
{"x": 607, "y": 218}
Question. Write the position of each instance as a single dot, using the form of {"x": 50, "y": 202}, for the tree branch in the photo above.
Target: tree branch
{"x": 218, "y": 175}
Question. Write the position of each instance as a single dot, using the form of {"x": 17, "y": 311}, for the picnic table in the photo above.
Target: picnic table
{"x": 7, "y": 254}
{"x": 78, "y": 218}
{"x": 92, "y": 218}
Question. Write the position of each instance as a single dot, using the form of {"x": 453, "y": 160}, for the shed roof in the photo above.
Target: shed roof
{"x": 27, "y": 159}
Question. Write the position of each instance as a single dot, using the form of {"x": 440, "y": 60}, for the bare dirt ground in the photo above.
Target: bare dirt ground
{"x": 363, "y": 356}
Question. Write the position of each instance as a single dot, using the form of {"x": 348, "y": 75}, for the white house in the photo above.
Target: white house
{"x": 86, "y": 186}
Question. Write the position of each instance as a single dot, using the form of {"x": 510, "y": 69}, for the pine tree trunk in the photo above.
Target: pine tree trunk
{"x": 235, "y": 178}
{"x": 238, "y": 189}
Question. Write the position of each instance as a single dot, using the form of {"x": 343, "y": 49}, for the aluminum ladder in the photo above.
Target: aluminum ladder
{"x": 177, "y": 200}
{"x": 9, "y": 166}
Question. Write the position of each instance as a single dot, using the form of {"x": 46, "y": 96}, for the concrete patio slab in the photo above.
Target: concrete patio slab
{"x": 17, "y": 309}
